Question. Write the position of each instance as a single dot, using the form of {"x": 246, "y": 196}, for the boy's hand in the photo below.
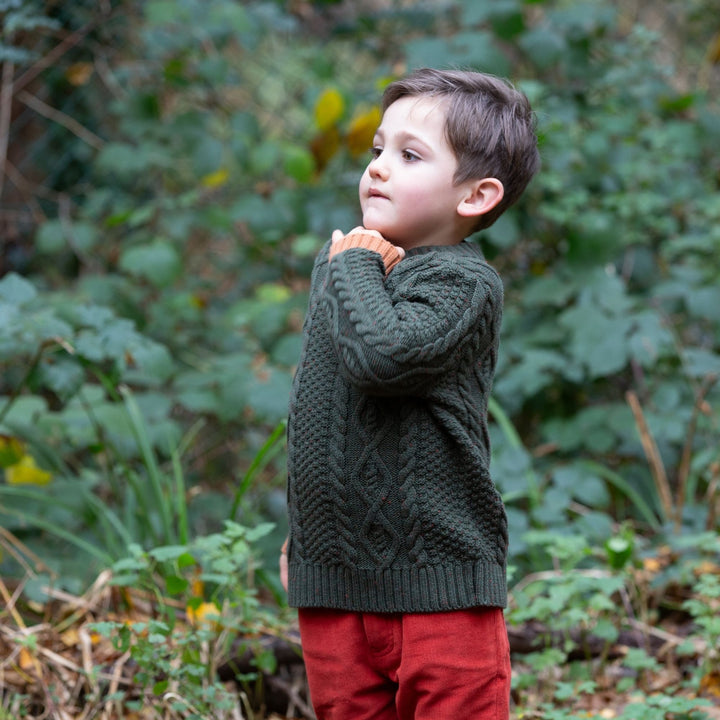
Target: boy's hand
{"x": 369, "y": 239}
{"x": 284, "y": 566}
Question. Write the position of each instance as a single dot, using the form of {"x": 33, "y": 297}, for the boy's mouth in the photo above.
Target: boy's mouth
{"x": 373, "y": 193}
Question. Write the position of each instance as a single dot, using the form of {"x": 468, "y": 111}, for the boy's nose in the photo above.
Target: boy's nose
{"x": 377, "y": 168}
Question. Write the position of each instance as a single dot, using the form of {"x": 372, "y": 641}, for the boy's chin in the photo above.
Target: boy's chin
{"x": 377, "y": 227}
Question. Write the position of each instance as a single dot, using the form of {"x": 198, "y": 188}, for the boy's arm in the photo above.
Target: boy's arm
{"x": 396, "y": 337}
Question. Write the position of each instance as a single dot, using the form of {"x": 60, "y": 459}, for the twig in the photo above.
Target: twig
{"x": 115, "y": 684}
{"x": 10, "y": 605}
{"x": 292, "y": 692}
{"x": 105, "y": 73}
{"x": 61, "y": 118}
{"x": 54, "y": 55}
{"x": 19, "y": 550}
{"x": 713, "y": 501}
{"x": 12, "y": 174}
{"x": 684, "y": 469}
{"x": 666, "y": 637}
{"x": 6, "y": 93}
{"x": 24, "y": 185}
{"x": 652, "y": 454}
{"x": 86, "y": 601}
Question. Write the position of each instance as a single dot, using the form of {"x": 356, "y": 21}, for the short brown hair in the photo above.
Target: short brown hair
{"x": 490, "y": 127}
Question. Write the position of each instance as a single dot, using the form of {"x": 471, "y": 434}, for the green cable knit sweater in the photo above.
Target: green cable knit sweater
{"x": 391, "y": 504}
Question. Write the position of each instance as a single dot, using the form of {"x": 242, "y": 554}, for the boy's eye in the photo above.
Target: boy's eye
{"x": 375, "y": 152}
{"x": 410, "y": 156}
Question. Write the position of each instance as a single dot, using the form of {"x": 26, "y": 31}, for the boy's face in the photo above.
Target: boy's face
{"x": 407, "y": 192}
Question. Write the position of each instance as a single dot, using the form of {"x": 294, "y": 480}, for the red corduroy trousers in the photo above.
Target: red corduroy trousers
{"x": 430, "y": 666}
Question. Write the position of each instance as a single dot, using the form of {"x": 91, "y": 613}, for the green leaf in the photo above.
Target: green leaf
{"x": 598, "y": 340}
{"x": 167, "y": 552}
{"x": 230, "y": 17}
{"x": 471, "y": 49}
{"x": 306, "y": 246}
{"x": 543, "y": 45}
{"x": 265, "y": 661}
{"x": 287, "y": 350}
{"x": 619, "y": 551}
{"x": 50, "y": 237}
{"x": 16, "y": 290}
{"x": 700, "y": 363}
{"x": 299, "y": 163}
{"x": 161, "y": 686}
{"x": 264, "y": 157}
{"x": 63, "y": 375}
{"x": 175, "y": 584}
{"x": 267, "y": 394}
{"x": 158, "y": 262}
{"x": 259, "y": 531}
{"x": 161, "y": 12}
{"x": 25, "y": 410}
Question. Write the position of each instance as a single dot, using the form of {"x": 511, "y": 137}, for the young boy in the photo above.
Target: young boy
{"x": 398, "y": 537}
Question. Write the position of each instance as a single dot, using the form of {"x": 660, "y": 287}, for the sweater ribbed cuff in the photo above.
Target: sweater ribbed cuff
{"x": 433, "y": 588}
{"x": 369, "y": 241}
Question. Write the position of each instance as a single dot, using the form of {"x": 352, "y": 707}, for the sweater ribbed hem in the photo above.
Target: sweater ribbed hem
{"x": 434, "y": 588}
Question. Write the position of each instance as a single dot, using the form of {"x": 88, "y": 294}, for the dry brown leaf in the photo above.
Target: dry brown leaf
{"x": 710, "y": 685}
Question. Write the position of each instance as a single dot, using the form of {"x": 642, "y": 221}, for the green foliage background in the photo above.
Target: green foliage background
{"x": 155, "y": 281}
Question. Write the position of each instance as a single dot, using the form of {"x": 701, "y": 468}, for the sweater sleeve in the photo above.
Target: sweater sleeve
{"x": 395, "y": 337}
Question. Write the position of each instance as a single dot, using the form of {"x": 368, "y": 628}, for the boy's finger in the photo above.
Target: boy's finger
{"x": 337, "y": 235}
{"x": 365, "y": 231}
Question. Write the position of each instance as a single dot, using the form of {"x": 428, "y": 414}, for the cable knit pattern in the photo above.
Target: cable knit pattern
{"x": 391, "y": 504}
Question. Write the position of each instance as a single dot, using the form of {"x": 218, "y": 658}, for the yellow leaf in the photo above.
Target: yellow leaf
{"x": 706, "y": 567}
{"x": 70, "y": 638}
{"x": 198, "y": 587}
{"x": 204, "y": 615}
{"x": 197, "y": 302}
{"x": 11, "y": 451}
{"x": 79, "y": 73}
{"x": 27, "y": 661}
{"x": 26, "y": 472}
{"x": 714, "y": 50}
{"x": 362, "y": 130}
{"x": 216, "y": 179}
{"x": 329, "y": 108}
{"x": 710, "y": 684}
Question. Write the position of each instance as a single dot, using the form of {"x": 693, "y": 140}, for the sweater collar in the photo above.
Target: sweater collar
{"x": 462, "y": 248}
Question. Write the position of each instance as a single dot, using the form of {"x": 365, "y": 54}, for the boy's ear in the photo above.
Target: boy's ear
{"x": 482, "y": 196}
